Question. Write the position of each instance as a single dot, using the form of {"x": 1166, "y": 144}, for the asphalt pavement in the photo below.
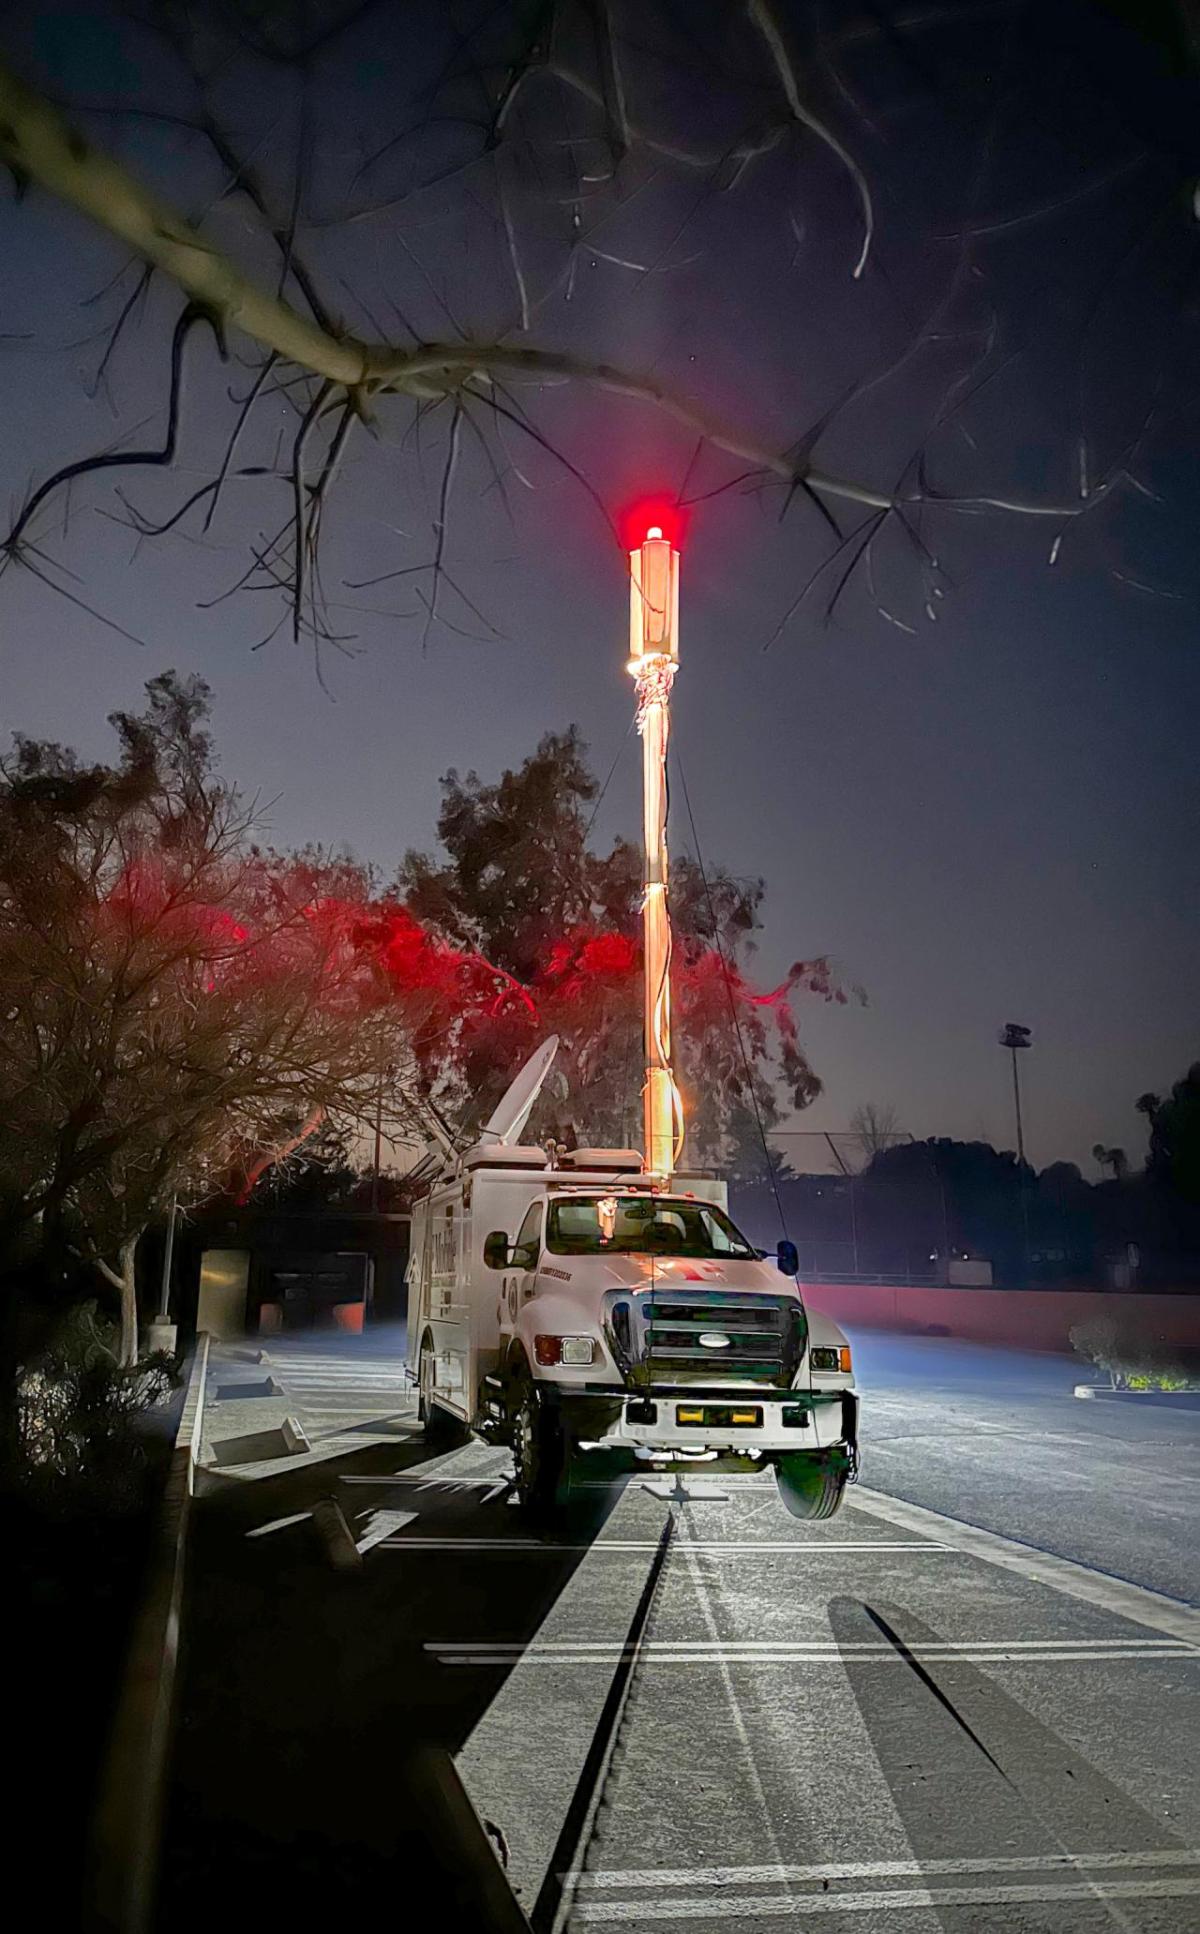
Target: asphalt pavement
{"x": 967, "y": 1702}
{"x": 997, "y": 1437}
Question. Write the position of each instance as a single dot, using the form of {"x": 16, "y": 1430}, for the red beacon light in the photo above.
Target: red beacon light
{"x": 650, "y": 516}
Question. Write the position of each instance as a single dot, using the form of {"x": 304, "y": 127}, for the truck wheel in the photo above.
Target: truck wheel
{"x": 811, "y": 1486}
{"x": 539, "y": 1450}
{"x": 442, "y": 1431}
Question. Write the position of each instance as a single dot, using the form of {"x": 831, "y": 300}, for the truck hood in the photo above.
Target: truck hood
{"x": 600, "y": 1273}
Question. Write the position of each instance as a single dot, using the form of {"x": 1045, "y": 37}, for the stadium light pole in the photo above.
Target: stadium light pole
{"x": 653, "y": 661}
{"x": 1014, "y": 1037}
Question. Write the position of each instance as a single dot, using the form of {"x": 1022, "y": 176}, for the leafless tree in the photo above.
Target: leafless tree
{"x": 175, "y": 1000}
{"x": 875, "y": 1127}
{"x": 406, "y": 232}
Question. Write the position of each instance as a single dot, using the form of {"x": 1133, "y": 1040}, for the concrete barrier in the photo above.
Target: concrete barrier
{"x": 1027, "y": 1319}
{"x": 123, "y": 1848}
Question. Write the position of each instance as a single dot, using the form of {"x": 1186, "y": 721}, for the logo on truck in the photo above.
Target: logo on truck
{"x": 714, "y": 1339}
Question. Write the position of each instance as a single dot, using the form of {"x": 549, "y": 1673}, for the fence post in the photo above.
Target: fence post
{"x": 854, "y": 1226}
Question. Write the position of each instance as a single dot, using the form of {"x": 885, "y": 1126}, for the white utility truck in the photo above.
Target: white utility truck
{"x": 576, "y": 1306}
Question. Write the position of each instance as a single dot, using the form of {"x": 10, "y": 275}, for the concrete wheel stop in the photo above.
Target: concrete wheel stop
{"x": 289, "y": 1439}
{"x": 239, "y": 1392}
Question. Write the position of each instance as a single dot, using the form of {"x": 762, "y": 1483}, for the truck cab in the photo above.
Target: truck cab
{"x": 579, "y": 1308}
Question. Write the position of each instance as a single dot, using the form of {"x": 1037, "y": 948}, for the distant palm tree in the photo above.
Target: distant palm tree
{"x": 1114, "y": 1158}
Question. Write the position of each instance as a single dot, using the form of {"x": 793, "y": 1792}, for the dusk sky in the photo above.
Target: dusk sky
{"x": 983, "y": 818}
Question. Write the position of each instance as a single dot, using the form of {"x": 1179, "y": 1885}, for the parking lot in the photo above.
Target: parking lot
{"x": 910, "y": 1717}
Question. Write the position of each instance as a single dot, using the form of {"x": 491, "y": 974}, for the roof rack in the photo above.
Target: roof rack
{"x": 625, "y": 1159}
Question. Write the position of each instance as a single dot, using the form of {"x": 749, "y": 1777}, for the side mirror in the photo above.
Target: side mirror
{"x": 788, "y": 1258}
{"x": 495, "y": 1250}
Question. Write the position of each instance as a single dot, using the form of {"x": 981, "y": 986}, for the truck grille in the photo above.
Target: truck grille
{"x": 659, "y": 1337}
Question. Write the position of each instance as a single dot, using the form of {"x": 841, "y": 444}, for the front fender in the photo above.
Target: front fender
{"x": 554, "y": 1312}
{"x": 823, "y": 1331}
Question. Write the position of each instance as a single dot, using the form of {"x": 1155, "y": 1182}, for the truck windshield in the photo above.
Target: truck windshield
{"x": 632, "y": 1225}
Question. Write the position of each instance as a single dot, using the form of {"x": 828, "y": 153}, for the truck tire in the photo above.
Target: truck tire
{"x": 442, "y": 1431}
{"x": 539, "y": 1447}
{"x": 811, "y": 1486}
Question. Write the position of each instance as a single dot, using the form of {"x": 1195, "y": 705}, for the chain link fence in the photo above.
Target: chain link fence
{"x": 853, "y": 1220}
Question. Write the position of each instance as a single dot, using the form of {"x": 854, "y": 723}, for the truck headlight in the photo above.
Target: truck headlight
{"x": 578, "y": 1349}
{"x": 826, "y": 1359}
{"x": 549, "y": 1350}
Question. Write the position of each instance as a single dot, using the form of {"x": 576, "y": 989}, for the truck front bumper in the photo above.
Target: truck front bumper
{"x": 747, "y": 1423}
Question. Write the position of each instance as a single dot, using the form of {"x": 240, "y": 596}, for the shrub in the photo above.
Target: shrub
{"x": 1133, "y": 1362}
{"x": 86, "y": 1425}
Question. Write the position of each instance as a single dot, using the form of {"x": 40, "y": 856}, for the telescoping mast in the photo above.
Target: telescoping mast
{"x": 571, "y": 1303}
{"x": 653, "y": 662}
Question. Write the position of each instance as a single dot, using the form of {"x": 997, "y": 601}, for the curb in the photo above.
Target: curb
{"x": 474, "y": 1884}
{"x": 126, "y": 1824}
{"x": 1158, "y": 1399}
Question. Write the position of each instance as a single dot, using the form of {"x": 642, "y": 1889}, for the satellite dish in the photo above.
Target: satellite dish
{"x": 507, "y": 1121}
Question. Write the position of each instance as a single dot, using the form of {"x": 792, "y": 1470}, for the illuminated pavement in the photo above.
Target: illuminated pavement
{"x": 996, "y": 1436}
{"x": 889, "y": 1722}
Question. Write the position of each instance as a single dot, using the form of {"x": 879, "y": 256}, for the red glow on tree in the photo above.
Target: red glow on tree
{"x": 259, "y": 926}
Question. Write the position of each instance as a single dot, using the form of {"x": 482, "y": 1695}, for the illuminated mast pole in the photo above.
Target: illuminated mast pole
{"x": 653, "y": 660}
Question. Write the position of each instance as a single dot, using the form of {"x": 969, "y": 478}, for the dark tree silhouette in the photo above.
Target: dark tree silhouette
{"x": 1175, "y": 1137}
{"x": 520, "y": 885}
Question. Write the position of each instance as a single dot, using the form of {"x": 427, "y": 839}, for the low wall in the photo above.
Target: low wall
{"x": 1029, "y": 1319}
{"x": 127, "y": 1823}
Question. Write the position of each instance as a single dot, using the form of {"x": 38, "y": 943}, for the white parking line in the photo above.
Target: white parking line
{"x": 427, "y": 1475}
{"x": 932, "y": 1648}
{"x": 1134, "y": 1602}
{"x": 1017, "y": 1863}
{"x": 279, "y": 1524}
{"x": 663, "y": 1652}
{"x": 759, "y": 1906}
{"x": 712, "y": 1549}
{"x": 381, "y": 1526}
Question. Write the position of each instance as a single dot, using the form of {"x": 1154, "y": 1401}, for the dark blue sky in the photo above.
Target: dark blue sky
{"x": 990, "y": 817}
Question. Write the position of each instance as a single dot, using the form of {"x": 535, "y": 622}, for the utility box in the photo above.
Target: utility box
{"x": 224, "y": 1282}
{"x": 969, "y": 1272}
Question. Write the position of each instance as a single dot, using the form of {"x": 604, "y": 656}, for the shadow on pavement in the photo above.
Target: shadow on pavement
{"x": 302, "y": 1784}
{"x": 973, "y": 1774}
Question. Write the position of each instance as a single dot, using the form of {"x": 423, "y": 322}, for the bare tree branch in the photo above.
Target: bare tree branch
{"x": 32, "y": 132}
{"x": 763, "y": 18}
{"x": 582, "y": 110}
{"x": 124, "y": 459}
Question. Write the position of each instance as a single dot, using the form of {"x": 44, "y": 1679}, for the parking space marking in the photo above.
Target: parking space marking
{"x": 433, "y": 1472}
{"x": 1005, "y": 1863}
{"x": 711, "y": 1548}
{"x": 381, "y": 1525}
{"x": 279, "y": 1524}
{"x": 747, "y": 1906}
{"x": 1133, "y": 1602}
{"x": 603, "y": 1652}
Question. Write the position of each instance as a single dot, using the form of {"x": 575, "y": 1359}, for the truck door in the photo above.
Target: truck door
{"x": 448, "y": 1309}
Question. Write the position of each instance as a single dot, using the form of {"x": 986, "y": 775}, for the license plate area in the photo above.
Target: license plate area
{"x": 719, "y": 1416}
